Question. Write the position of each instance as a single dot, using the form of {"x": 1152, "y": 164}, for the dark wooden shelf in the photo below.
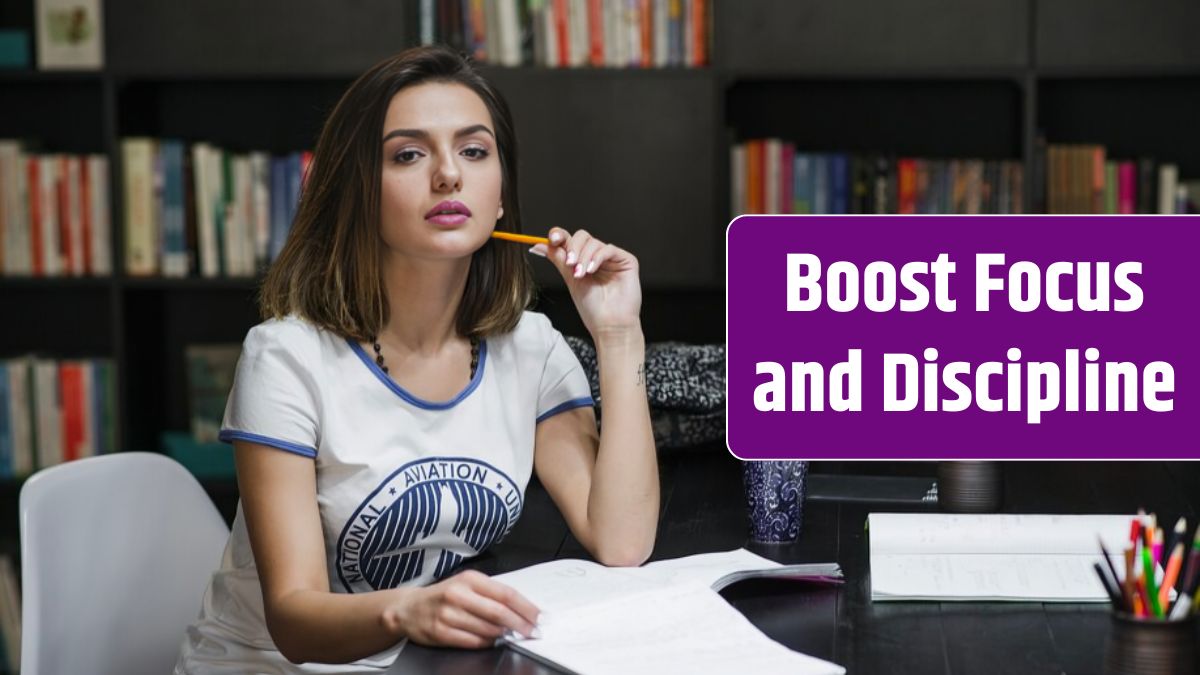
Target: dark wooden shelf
{"x": 190, "y": 283}
{"x": 56, "y": 283}
{"x": 880, "y": 73}
{"x": 1118, "y": 72}
{"x": 50, "y": 76}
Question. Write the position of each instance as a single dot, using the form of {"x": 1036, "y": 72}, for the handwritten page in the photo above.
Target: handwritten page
{"x": 683, "y": 628}
{"x": 1042, "y": 558}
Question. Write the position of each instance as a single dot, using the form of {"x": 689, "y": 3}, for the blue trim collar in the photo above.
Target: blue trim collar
{"x": 414, "y": 400}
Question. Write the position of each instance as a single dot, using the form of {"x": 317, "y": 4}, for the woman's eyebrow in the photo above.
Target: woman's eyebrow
{"x": 424, "y": 135}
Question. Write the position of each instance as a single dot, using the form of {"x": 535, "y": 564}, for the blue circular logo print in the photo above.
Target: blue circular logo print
{"x": 423, "y": 521}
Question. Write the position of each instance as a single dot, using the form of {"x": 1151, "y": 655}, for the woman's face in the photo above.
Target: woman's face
{"x": 441, "y": 172}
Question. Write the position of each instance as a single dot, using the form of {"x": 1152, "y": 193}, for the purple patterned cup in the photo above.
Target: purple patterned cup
{"x": 775, "y": 492}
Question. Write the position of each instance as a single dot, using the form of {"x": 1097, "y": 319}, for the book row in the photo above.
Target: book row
{"x": 54, "y": 411}
{"x": 54, "y": 213}
{"x": 203, "y": 210}
{"x": 1082, "y": 178}
{"x": 572, "y": 33}
{"x": 771, "y": 176}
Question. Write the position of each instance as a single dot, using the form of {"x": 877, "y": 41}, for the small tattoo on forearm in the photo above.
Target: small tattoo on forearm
{"x": 641, "y": 375}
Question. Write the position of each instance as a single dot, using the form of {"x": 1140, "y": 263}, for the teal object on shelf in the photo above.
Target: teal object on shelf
{"x": 14, "y": 49}
{"x": 204, "y": 460}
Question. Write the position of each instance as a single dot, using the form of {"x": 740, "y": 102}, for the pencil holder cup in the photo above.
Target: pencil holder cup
{"x": 970, "y": 487}
{"x": 775, "y": 492}
{"x": 1150, "y": 647}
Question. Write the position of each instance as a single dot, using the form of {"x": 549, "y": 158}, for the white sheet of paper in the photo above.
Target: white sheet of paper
{"x": 683, "y": 628}
{"x": 568, "y": 583}
{"x": 707, "y": 568}
{"x": 565, "y": 584}
{"x": 1044, "y": 558}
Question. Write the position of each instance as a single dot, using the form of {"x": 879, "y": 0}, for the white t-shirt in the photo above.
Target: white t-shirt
{"x": 407, "y": 488}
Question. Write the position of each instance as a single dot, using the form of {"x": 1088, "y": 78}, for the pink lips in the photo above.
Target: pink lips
{"x": 449, "y": 213}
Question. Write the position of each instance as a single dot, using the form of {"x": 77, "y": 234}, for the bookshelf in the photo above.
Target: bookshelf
{"x": 638, "y": 156}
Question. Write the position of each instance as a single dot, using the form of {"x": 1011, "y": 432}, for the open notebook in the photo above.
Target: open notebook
{"x": 662, "y": 617}
{"x": 1039, "y": 558}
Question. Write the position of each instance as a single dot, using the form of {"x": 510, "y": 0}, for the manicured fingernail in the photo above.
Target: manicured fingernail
{"x": 591, "y": 267}
{"x": 537, "y": 633}
{"x": 571, "y": 257}
{"x": 578, "y": 270}
{"x": 556, "y": 237}
{"x": 536, "y": 251}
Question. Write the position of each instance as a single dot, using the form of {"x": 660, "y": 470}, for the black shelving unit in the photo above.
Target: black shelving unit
{"x": 639, "y": 157}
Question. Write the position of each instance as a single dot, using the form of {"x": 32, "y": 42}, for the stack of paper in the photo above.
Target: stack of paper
{"x": 1040, "y": 558}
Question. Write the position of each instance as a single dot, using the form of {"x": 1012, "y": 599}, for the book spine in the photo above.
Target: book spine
{"x": 64, "y": 251}
{"x": 48, "y": 413}
{"x": 561, "y": 33}
{"x": 754, "y": 176}
{"x": 1097, "y": 179}
{"x": 20, "y": 416}
{"x": 510, "y": 31}
{"x": 1168, "y": 180}
{"x": 674, "y": 32}
{"x": 226, "y": 213}
{"x": 12, "y": 175}
{"x": 174, "y": 259}
{"x": 802, "y": 180}
{"x": 475, "y": 29}
{"x": 1110, "y": 187}
{"x": 580, "y": 37}
{"x": 839, "y": 170}
{"x": 140, "y": 235}
{"x": 100, "y": 392}
{"x": 786, "y": 182}
{"x": 52, "y": 198}
{"x": 74, "y": 207}
{"x": 1127, "y": 190}
{"x": 36, "y": 206}
{"x": 87, "y": 397}
{"x": 426, "y": 18}
{"x": 612, "y": 35}
{"x": 87, "y": 215}
{"x": 101, "y": 215}
{"x": 595, "y": 22}
{"x": 821, "y": 184}
{"x": 70, "y": 387}
{"x": 771, "y": 178}
{"x": 906, "y": 170}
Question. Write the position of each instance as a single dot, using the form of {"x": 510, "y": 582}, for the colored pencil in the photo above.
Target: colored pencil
{"x": 520, "y": 238}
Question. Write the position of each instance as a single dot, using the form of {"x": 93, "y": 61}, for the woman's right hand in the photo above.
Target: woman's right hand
{"x": 469, "y": 610}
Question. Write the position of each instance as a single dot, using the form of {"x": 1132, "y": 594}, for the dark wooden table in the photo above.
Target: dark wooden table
{"x": 703, "y": 511}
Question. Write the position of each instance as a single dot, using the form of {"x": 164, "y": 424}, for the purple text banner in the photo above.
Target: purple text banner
{"x": 850, "y": 337}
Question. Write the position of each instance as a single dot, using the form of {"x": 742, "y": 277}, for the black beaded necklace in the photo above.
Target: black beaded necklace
{"x": 474, "y": 355}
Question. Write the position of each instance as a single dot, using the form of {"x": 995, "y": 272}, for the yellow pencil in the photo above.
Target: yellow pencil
{"x": 520, "y": 238}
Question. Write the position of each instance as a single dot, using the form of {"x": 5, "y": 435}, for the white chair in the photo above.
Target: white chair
{"x": 116, "y": 552}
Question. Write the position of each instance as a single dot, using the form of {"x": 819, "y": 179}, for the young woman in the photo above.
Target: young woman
{"x": 388, "y": 413}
